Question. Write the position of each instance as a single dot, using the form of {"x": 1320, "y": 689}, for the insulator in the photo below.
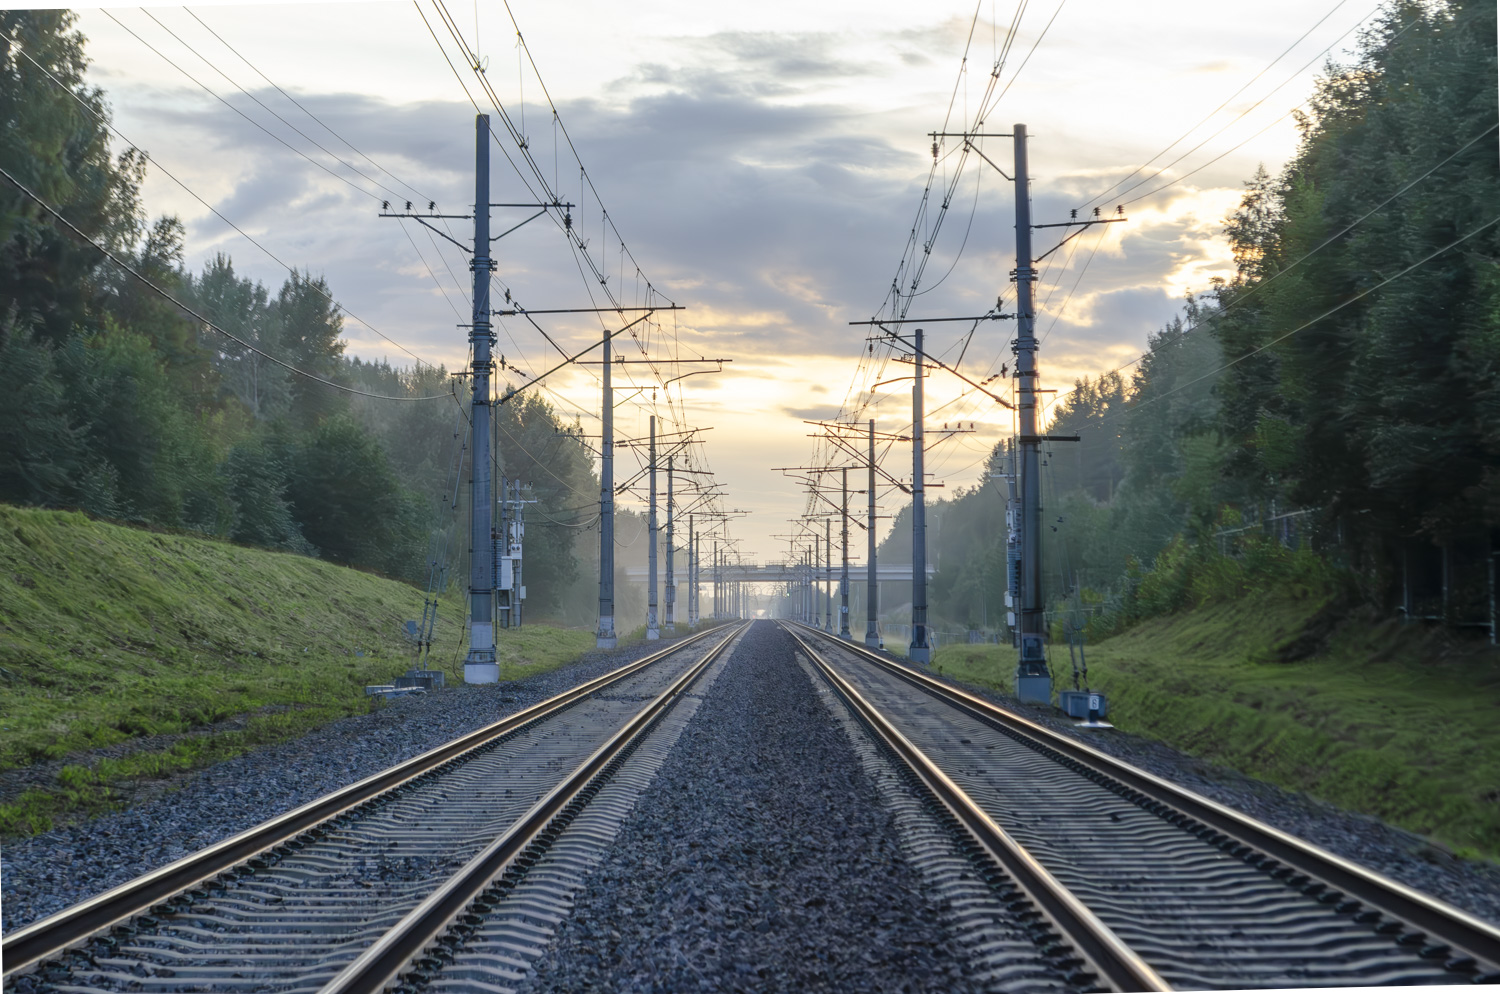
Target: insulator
{"x": 408, "y": 205}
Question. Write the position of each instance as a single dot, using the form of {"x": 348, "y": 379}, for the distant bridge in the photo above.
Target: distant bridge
{"x": 784, "y": 572}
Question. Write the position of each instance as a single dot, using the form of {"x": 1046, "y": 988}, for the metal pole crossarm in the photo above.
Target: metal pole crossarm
{"x": 654, "y": 362}
{"x": 862, "y": 432}
{"x": 979, "y": 152}
{"x": 672, "y": 451}
{"x": 573, "y": 358}
{"x": 418, "y": 218}
{"x": 1080, "y": 225}
{"x": 669, "y": 434}
{"x": 944, "y": 366}
{"x": 967, "y": 134}
{"x": 592, "y": 310}
{"x": 874, "y": 468}
{"x": 516, "y": 227}
{"x": 882, "y": 322}
{"x": 815, "y": 469}
{"x": 1033, "y": 439}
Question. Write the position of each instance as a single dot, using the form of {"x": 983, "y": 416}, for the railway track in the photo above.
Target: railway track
{"x": 349, "y": 892}
{"x": 1150, "y": 884}
{"x": 1074, "y": 870}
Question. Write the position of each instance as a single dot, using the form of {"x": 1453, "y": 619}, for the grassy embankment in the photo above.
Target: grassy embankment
{"x": 128, "y": 656}
{"x": 1393, "y": 722}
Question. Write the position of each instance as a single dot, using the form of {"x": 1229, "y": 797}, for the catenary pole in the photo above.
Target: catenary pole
{"x": 844, "y": 575}
{"x": 828, "y": 573}
{"x": 481, "y": 666}
{"x": 1032, "y": 680}
{"x": 919, "y": 651}
{"x": 669, "y": 626}
{"x": 605, "y": 637}
{"x": 872, "y": 585}
{"x": 652, "y": 632}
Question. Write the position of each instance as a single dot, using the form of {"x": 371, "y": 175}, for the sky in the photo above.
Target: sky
{"x": 762, "y": 166}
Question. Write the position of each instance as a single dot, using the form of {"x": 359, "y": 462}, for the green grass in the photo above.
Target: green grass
{"x": 110, "y": 635}
{"x": 1394, "y": 722}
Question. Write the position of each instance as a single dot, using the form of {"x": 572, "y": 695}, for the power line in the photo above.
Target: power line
{"x": 194, "y": 314}
{"x": 214, "y": 210}
{"x": 1307, "y": 324}
{"x": 1239, "y": 299}
{"x": 304, "y": 109}
{"x": 1409, "y": 24}
{"x": 1106, "y": 193}
{"x": 206, "y": 89}
{"x": 314, "y": 142}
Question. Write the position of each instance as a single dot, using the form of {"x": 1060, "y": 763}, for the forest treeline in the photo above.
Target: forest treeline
{"x": 115, "y": 401}
{"x": 1340, "y": 395}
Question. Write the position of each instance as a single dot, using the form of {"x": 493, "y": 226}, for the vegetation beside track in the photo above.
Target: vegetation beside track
{"x": 1399, "y": 723}
{"x": 129, "y": 655}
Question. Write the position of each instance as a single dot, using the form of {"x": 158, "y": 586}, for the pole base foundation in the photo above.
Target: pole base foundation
{"x": 652, "y": 634}
{"x": 481, "y": 672}
{"x": 1034, "y": 689}
{"x": 605, "y": 642}
{"x": 919, "y": 654}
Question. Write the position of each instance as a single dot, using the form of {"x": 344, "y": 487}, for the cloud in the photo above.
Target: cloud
{"x": 822, "y": 412}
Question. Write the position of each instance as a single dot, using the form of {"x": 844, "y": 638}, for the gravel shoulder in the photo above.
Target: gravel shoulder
{"x": 761, "y": 858}
{"x": 45, "y": 873}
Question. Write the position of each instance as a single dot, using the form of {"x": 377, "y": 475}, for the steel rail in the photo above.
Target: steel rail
{"x": 1106, "y": 955}
{"x": 379, "y": 965}
{"x": 1441, "y": 921}
{"x": 25, "y": 948}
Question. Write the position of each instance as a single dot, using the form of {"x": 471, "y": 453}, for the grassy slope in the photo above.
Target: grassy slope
{"x": 109, "y": 635}
{"x": 1384, "y": 720}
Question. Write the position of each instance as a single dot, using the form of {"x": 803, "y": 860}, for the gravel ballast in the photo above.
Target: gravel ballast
{"x": 48, "y": 872}
{"x": 761, "y": 808}
{"x": 760, "y": 859}
{"x": 1418, "y": 862}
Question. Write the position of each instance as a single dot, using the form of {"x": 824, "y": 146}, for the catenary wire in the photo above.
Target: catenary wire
{"x": 192, "y": 193}
{"x": 194, "y": 314}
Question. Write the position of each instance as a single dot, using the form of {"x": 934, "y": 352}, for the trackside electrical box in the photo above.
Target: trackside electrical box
{"x": 1078, "y": 703}
{"x": 1033, "y": 679}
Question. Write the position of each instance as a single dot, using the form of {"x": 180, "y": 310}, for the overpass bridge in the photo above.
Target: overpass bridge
{"x": 785, "y": 572}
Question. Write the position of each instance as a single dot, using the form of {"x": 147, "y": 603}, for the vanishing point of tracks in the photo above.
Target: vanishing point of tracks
{"x": 1063, "y": 868}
